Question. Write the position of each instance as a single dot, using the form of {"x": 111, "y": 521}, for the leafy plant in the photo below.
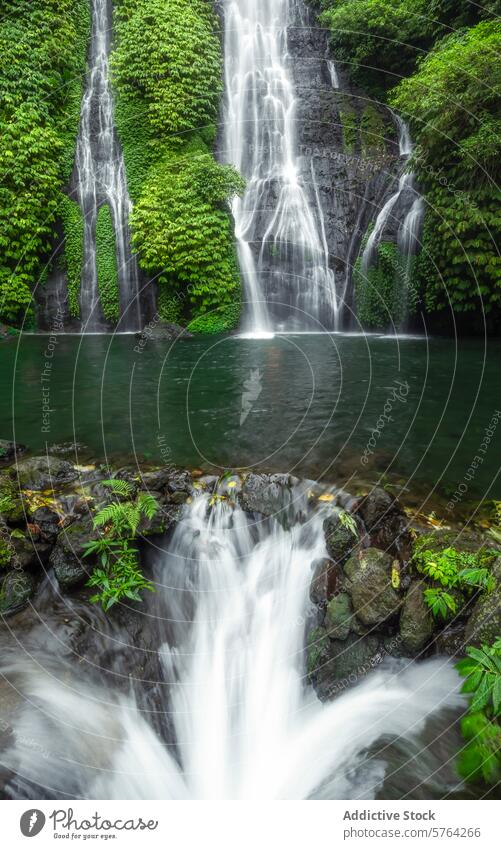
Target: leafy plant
{"x": 118, "y": 575}
{"x": 441, "y": 603}
{"x": 348, "y": 522}
{"x": 480, "y": 759}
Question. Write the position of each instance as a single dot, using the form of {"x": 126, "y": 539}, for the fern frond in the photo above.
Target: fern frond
{"x": 120, "y": 487}
{"x": 111, "y": 514}
{"x": 147, "y": 504}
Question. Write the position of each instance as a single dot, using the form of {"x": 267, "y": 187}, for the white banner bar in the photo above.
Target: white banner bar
{"x": 247, "y": 825}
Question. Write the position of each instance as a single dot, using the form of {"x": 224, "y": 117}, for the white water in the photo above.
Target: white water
{"x": 100, "y": 178}
{"x": 231, "y": 609}
{"x": 283, "y": 257}
{"x": 331, "y": 65}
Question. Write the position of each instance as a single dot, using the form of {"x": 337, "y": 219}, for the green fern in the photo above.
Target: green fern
{"x": 120, "y": 487}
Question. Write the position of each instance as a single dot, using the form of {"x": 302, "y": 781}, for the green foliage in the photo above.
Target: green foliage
{"x": 181, "y": 226}
{"x": 42, "y": 59}
{"x": 221, "y": 320}
{"x": 441, "y": 603}
{"x": 462, "y": 572}
{"x": 437, "y": 64}
{"x": 5, "y": 553}
{"x": 480, "y": 759}
{"x": 349, "y": 123}
{"x": 118, "y": 576}
{"x": 167, "y": 73}
{"x": 73, "y": 229}
{"x": 386, "y": 291}
{"x": 106, "y": 262}
{"x": 168, "y": 56}
{"x": 348, "y": 522}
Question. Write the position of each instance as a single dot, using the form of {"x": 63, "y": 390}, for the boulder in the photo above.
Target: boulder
{"x": 339, "y": 539}
{"x": 484, "y": 623}
{"x": 48, "y": 521}
{"x": 70, "y": 566}
{"x": 374, "y": 598}
{"x": 268, "y": 495}
{"x": 386, "y": 523}
{"x": 416, "y": 621}
{"x": 163, "y": 331}
{"x": 40, "y": 473}
{"x": 179, "y": 486}
{"x": 339, "y": 617}
{"x": 16, "y": 590}
{"x": 31, "y": 554}
{"x": 9, "y": 451}
{"x": 451, "y": 641}
{"x": 325, "y": 581}
{"x": 334, "y": 665}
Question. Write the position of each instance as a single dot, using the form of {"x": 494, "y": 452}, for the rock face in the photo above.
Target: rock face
{"x": 484, "y": 624}
{"x": 9, "y": 451}
{"x": 11, "y": 506}
{"x": 416, "y": 621}
{"x": 70, "y": 567}
{"x": 334, "y": 665}
{"x": 339, "y": 617}
{"x": 41, "y": 473}
{"x": 17, "y": 589}
{"x": 268, "y": 495}
{"x": 374, "y": 598}
{"x": 340, "y": 540}
{"x": 386, "y": 523}
{"x": 325, "y": 581}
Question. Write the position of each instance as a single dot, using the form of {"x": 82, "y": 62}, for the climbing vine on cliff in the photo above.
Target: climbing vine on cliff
{"x": 42, "y": 59}
{"x": 167, "y": 72}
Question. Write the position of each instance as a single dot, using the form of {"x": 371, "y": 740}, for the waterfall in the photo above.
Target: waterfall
{"x": 278, "y": 223}
{"x": 405, "y": 182}
{"x": 100, "y": 178}
{"x": 239, "y": 719}
{"x": 331, "y": 67}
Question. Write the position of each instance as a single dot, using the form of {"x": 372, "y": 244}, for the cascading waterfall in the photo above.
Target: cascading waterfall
{"x": 278, "y": 223}
{"x": 100, "y": 178}
{"x": 408, "y": 233}
{"x": 240, "y": 720}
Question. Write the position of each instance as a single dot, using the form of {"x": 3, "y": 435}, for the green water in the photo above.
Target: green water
{"x": 302, "y": 403}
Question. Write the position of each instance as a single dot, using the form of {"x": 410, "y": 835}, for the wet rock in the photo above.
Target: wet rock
{"x": 9, "y": 451}
{"x": 339, "y": 539}
{"x": 166, "y": 517}
{"x": 11, "y": 506}
{"x": 31, "y": 554}
{"x": 339, "y": 617}
{"x": 451, "y": 641}
{"x": 156, "y": 479}
{"x": 162, "y": 331}
{"x": 266, "y": 494}
{"x": 484, "y": 624}
{"x": 179, "y": 486}
{"x": 325, "y": 581}
{"x": 70, "y": 566}
{"x": 334, "y": 665}
{"x": 386, "y": 523}
{"x": 48, "y": 522}
{"x": 40, "y": 473}
{"x": 416, "y": 621}
{"x": 374, "y": 598}
{"x": 16, "y": 590}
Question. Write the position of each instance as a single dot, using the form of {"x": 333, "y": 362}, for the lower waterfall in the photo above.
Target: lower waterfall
{"x": 229, "y": 713}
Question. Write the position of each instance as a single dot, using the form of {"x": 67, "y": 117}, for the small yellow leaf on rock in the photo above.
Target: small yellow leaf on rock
{"x": 327, "y": 496}
{"x": 232, "y": 484}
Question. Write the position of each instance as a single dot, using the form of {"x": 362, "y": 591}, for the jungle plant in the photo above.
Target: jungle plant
{"x": 480, "y": 759}
{"x": 440, "y": 602}
{"x": 118, "y": 575}
{"x": 462, "y": 571}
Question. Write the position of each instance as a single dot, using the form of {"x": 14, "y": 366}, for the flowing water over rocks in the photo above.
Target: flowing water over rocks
{"x": 205, "y": 691}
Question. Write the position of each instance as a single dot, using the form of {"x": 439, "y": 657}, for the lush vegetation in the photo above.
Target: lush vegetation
{"x": 167, "y": 73}
{"x": 437, "y": 64}
{"x": 42, "y": 59}
{"x": 453, "y": 576}
{"x": 73, "y": 228}
{"x": 106, "y": 263}
{"x": 118, "y": 575}
{"x": 480, "y": 759}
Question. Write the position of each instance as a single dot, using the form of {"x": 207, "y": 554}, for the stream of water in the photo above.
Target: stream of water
{"x": 228, "y": 712}
{"x": 100, "y": 178}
